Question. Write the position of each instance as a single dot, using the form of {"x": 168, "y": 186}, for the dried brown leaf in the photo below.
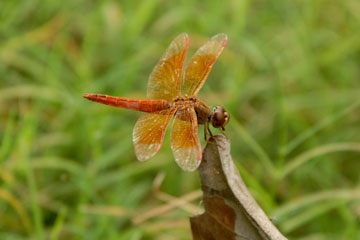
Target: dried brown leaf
{"x": 230, "y": 210}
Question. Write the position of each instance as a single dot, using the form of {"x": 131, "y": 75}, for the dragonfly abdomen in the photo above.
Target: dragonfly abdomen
{"x": 143, "y": 105}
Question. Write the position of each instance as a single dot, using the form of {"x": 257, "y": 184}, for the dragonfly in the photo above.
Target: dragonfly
{"x": 172, "y": 93}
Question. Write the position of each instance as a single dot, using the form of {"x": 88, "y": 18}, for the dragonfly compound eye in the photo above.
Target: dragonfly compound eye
{"x": 220, "y": 117}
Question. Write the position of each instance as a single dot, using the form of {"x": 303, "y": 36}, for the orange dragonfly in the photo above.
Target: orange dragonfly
{"x": 172, "y": 92}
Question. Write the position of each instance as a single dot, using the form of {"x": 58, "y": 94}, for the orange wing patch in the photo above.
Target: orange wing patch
{"x": 199, "y": 66}
{"x": 149, "y": 132}
{"x": 165, "y": 79}
{"x": 185, "y": 142}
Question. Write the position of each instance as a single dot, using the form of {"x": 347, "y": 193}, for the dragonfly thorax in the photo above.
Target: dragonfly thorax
{"x": 185, "y": 102}
{"x": 202, "y": 110}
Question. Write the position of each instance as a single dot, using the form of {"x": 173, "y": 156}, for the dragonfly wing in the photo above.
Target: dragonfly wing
{"x": 185, "y": 142}
{"x": 165, "y": 79}
{"x": 149, "y": 132}
{"x": 201, "y": 63}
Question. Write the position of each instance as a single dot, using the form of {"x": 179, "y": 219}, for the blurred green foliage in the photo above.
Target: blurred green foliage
{"x": 289, "y": 76}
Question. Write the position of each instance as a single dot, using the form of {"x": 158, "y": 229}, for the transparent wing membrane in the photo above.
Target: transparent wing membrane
{"x": 199, "y": 66}
{"x": 185, "y": 142}
{"x": 165, "y": 80}
{"x": 149, "y": 132}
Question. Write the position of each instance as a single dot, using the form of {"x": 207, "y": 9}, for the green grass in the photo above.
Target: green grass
{"x": 289, "y": 77}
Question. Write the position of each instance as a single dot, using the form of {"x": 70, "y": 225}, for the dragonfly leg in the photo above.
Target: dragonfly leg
{"x": 222, "y": 129}
{"x": 207, "y": 130}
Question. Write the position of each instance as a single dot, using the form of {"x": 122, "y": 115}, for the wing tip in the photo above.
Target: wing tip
{"x": 142, "y": 155}
{"x": 187, "y": 40}
{"x": 221, "y": 37}
{"x": 225, "y": 42}
{"x": 189, "y": 167}
{"x": 185, "y": 35}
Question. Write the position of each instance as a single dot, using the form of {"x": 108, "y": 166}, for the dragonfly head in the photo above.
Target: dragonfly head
{"x": 219, "y": 117}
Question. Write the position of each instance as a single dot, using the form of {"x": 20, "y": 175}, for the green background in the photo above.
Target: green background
{"x": 289, "y": 76}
